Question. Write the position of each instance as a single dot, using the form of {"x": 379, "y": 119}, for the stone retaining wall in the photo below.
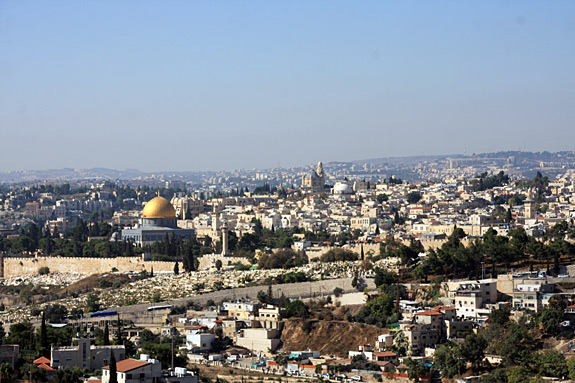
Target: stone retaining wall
{"x": 14, "y": 266}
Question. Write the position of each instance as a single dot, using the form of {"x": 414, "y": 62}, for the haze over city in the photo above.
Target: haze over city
{"x": 225, "y": 85}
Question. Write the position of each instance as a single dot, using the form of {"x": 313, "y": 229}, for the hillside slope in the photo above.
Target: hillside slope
{"x": 329, "y": 337}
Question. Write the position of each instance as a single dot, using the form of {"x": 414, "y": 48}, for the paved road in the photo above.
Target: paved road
{"x": 290, "y": 290}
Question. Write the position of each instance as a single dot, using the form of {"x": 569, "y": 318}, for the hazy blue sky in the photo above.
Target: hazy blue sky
{"x": 199, "y": 85}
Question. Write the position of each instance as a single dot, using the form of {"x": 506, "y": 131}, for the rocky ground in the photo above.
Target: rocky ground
{"x": 329, "y": 337}
{"x": 163, "y": 287}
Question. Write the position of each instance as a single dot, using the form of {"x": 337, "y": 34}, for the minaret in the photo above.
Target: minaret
{"x": 224, "y": 241}
{"x": 529, "y": 204}
{"x": 529, "y": 208}
{"x": 215, "y": 220}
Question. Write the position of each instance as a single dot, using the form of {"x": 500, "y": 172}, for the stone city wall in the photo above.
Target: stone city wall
{"x": 369, "y": 249}
{"x": 437, "y": 243}
{"x": 14, "y": 266}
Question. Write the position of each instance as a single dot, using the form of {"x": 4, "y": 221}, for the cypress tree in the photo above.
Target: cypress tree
{"x": 176, "y": 268}
{"x": 106, "y": 335}
{"x": 113, "y": 369}
{"x": 119, "y": 339}
{"x": 270, "y": 294}
{"x": 44, "y": 337}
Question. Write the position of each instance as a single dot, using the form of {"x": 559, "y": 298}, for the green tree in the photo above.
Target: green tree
{"x": 380, "y": 198}
{"x": 500, "y": 316}
{"x": 571, "y": 368}
{"x": 55, "y": 313}
{"x": 416, "y": 369}
{"x": 69, "y": 375}
{"x": 29, "y": 369}
{"x": 338, "y": 254}
{"x": 473, "y": 350}
{"x": 499, "y": 375}
{"x": 516, "y": 344}
{"x": 400, "y": 344}
{"x": 550, "y": 319}
{"x": 448, "y": 360}
{"x": 518, "y": 374}
{"x": 262, "y": 296}
{"x": 219, "y": 264}
{"x": 163, "y": 352}
{"x": 93, "y": 303}
{"x": 383, "y": 277}
{"x": 44, "y": 346}
{"x": 106, "y": 339}
{"x": 22, "y": 334}
{"x": 550, "y": 363}
{"x": 354, "y": 280}
{"x": 6, "y": 372}
{"x": 296, "y": 308}
{"x": 281, "y": 259}
{"x": 113, "y": 369}
{"x": 420, "y": 273}
{"x": 414, "y": 197}
{"x": 176, "y": 268}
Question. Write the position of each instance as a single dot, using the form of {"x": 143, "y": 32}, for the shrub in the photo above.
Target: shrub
{"x": 338, "y": 254}
{"x": 44, "y": 270}
{"x": 306, "y": 326}
{"x": 281, "y": 259}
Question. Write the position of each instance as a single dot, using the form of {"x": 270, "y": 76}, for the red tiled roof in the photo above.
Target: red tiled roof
{"x": 444, "y": 308}
{"x": 309, "y": 366}
{"x": 41, "y": 360}
{"x": 45, "y": 367}
{"x": 385, "y": 353}
{"x": 195, "y": 327}
{"x": 430, "y": 312}
{"x": 128, "y": 365}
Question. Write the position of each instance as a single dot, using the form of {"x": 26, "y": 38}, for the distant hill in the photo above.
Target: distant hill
{"x": 68, "y": 174}
{"x": 523, "y": 163}
{"x": 405, "y": 161}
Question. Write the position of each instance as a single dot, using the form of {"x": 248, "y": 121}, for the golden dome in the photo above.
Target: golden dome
{"x": 159, "y": 207}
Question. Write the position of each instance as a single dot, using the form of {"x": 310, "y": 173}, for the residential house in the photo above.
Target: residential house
{"x": 532, "y": 296}
{"x": 84, "y": 355}
{"x": 471, "y": 299}
{"x": 135, "y": 371}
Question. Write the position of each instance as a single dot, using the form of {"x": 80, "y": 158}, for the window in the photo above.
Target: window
{"x": 128, "y": 376}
